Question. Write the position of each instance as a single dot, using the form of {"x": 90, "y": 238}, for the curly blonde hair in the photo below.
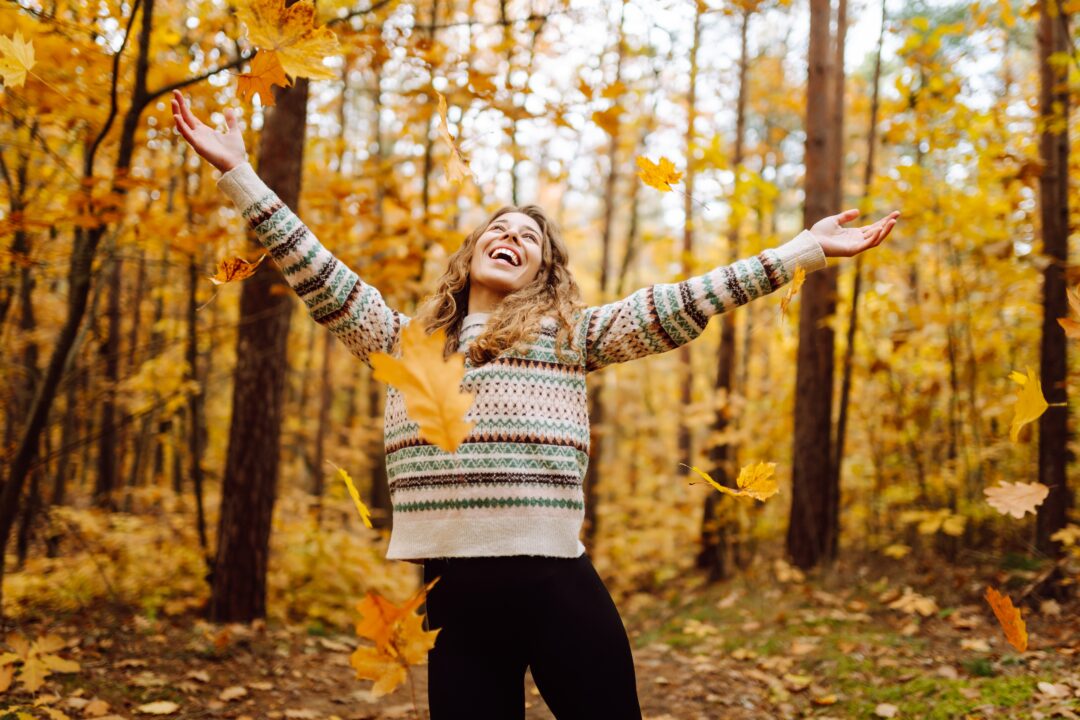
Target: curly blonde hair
{"x": 553, "y": 293}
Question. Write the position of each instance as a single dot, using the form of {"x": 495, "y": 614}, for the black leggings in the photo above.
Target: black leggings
{"x": 500, "y": 615}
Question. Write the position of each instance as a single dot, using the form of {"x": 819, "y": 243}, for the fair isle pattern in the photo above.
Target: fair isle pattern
{"x": 513, "y": 487}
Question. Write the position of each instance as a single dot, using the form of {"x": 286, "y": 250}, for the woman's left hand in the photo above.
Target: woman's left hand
{"x": 839, "y": 241}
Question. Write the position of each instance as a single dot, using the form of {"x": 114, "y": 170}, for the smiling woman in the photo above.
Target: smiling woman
{"x": 499, "y": 519}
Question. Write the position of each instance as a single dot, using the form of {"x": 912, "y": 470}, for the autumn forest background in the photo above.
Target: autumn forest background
{"x": 177, "y": 447}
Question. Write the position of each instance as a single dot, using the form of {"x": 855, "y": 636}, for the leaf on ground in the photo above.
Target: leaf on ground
{"x": 886, "y": 710}
{"x": 235, "y": 268}
{"x": 755, "y": 480}
{"x": 1030, "y": 402}
{"x": 913, "y": 603}
{"x": 160, "y": 707}
{"x": 1009, "y": 616}
{"x": 1017, "y": 498}
{"x": 430, "y": 384}
{"x": 659, "y": 175}
{"x": 233, "y": 692}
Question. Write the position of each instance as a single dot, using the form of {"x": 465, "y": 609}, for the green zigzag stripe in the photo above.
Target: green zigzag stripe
{"x": 488, "y": 502}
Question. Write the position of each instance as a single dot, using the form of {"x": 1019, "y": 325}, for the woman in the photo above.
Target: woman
{"x": 499, "y": 519}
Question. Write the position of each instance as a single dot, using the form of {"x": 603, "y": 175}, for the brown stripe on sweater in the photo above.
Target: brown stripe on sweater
{"x": 496, "y": 436}
{"x": 731, "y": 284}
{"x": 772, "y": 271}
{"x": 346, "y": 306}
{"x": 654, "y": 316}
{"x": 266, "y": 213}
{"x": 495, "y": 478}
{"x": 287, "y": 245}
{"x": 319, "y": 280}
{"x": 690, "y": 307}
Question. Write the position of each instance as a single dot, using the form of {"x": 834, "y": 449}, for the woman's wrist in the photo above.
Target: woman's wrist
{"x": 229, "y": 164}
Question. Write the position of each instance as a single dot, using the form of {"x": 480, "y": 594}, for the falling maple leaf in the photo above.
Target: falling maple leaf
{"x": 457, "y": 166}
{"x": 1009, "y": 617}
{"x": 289, "y": 33}
{"x": 235, "y": 268}
{"x": 38, "y": 660}
{"x": 430, "y": 385}
{"x": 754, "y": 481}
{"x": 17, "y": 59}
{"x": 266, "y": 71}
{"x": 1017, "y": 498}
{"x": 365, "y": 513}
{"x": 796, "y": 283}
{"x": 1072, "y": 327}
{"x": 399, "y": 637}
{"x": 609, "y": 121}
{"x": 658, "y": 175}
{"x": 1030, "y": 402}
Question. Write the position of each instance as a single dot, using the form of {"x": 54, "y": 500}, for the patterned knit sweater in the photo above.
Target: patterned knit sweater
{"x": 514, "y": 486}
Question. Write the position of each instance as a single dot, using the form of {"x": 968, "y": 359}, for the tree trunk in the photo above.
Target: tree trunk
{"x": 685, "y": 449}
{"x": 718, "y": 532}
{"x": 249, "y": 488}
{"x": 1054, "y": 210}
{"x": 809, "y": 536}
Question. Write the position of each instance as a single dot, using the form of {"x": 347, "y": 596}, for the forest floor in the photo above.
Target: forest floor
{"x": 755, "y": 647}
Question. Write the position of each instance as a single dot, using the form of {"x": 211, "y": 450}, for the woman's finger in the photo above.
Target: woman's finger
{"x": 189, "y": 117}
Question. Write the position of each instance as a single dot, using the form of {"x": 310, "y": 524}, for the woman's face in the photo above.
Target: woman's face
{"x": 508, "y": 255}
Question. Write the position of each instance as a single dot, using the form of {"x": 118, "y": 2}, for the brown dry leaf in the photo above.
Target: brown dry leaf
{"x": 1009, "y": 616}
{"x": 457, "y": 166}
{"x": 430, "y": 384}
{"x": 160, "y": 707}
{"x": 233, "y": 692}
{"x": 1016, "y": 498}
{"x": 96, "y": 708}
{"x": 886, "y": 710}
{"x": 912, "y": 602}
{"x": 235, "y": 268}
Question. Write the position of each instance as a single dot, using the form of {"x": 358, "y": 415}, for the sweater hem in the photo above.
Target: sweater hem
{"x": 417, "y": 539}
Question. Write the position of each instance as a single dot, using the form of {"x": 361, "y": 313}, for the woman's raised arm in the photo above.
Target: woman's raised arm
{"x": 335, "y": 295}
{"x": 662, "y": 317}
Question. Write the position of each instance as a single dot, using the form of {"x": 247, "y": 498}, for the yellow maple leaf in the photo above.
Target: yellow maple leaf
{"x": 1009, "y": 617}
{"x": 430, "y": 385}
{"x": 755, "y": 481}
{"x": 457, "y": 166}
{"x": 1030, "y": 402}
{"x": 38, "y": 660}
{"x": 235, "y": 268}
{"x": 796, "y": 284}
{"x": 1015, "y": 498}
{"x": 266, "y": 71}
{"x": 609, "y": 120}
{"x": 365, "y": 513}
{"x": 658, "y": 175}
{"x": 399, "y": 637}
{"x": 18, "y": 58}
{"x": 290, "y": 32}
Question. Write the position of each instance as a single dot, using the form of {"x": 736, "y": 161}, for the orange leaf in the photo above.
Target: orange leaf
{"x": 1009, "y": 617}
{"x": 235, "y": 268}
{"x": 796, "y": 283}
{"x": 266, "y": 71}
{"x": 430, "y": 384}
{"x": 290, "y": 32}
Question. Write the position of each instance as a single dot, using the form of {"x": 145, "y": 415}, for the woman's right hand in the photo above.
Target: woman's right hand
{"x": 222, "y": 150}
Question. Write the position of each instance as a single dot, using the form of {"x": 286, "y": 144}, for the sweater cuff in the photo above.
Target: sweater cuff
{"x": 243, "y": 186}
{"x": 802, "y": 251}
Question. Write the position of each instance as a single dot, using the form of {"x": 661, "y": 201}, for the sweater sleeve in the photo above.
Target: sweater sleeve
{"x": 662, "y": 317}
{"x": 335, "y": 296}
